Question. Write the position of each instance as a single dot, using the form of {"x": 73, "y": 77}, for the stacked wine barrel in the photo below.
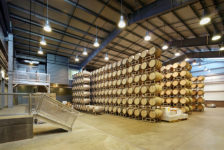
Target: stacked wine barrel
{"x": 81, "y": 93}
{"x": 130, "y": 87}
{"x": 177, "y": 86}
{"x": 198, "y": 93}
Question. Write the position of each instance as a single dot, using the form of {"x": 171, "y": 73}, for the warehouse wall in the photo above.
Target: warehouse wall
{"x": 29, "y": 68}
{"x": 214, "y": 79}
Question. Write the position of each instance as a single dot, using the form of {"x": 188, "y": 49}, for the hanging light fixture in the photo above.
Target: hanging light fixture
{"x": 84, "y": 52}
{"x": 216, "y": 36}
{"x": 194, "y": 62}
{"x": 47, "y": 26}
{"x": 43, "y": 41}
{"x": 209, "y": 70}
{"x": 106, "y": 57}
{"x": 96, "y": 43}
{"x": 177, "y": 53}
{"x": 147, "y": 36}
{"x": 165, "y": 46}
{"x": 121, "y": 23}
{"x": 205, "y": 19}
{"x": 199, "y": 66}
{"x": 76, "y": 58}
{"x": 187, "y": 59}
{"x": 40, "y": 51}
{"x": 221, "y": 48}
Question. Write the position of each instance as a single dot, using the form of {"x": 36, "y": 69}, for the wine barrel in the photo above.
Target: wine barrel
{"x": 137, "y": 56}
{"x": 86, "y": 100}
{"x": 114, "y": 82}
{"x": 130, "y": 90}
{"x": 168, "y": 92}
{"x": 144, "y": 89}
{"x": 124, "y": 111}
{"x": 130, "y": 69}
{"x": 137, "y": 101}
{"x": 124, "y": 81}
{"x": 118, "y": 73}
{"x": 114, "y": 91}
{"x": 200, "y": 92}
{"x": 136, "y": 67}
{"x": 124, "y": 61}
{"x": 194, "y": 93}
{"x": 114, "y": 110}
{"x": 162, "y": 93}
{"x": 119, "y": 109}
{"x": 124, "y": 91}
{"x": 110, "y": 109}
{"x": 201, "y": 78}
{"x": 137, "y": 112}
{"x": 155, "y": 88}
{"x": 124, "y": 101}
{"x": 130, "y": 80}
{"x": 144, "y": 77}
{"x": 185, "y": 109}
{"x": 201, "y": 85}
{"x": 193, "y": 86}
{"x": 144, "y": 113}
{"x": 175, "y": 83}
{"x": 130, "y": 59}
{"x": 175, "y": 74}
{"x": 155, "y": 52}
{"x": 175, "y": 100}
{"x": 162, "y": 69}
{"x": 156, "y": 76}
{"x": 137, "y": 78}
{"x": 156, "y": 101}
{"x": 119, "y": 63}
{"x": 144, "y": 53}
{"x": 168, "y": 100}
{"x": 168, "y": 75}
{"x": 155, "y": 114}
{"x": 186, "y": 74}
{"x": 114, "y": 65}
{"x": 184, "y": 91}
{"x": 186, "y": 65}
{"x": 176, "y": 65}
{"x": 130, "y": 111}
{"x": 193, "y": 79}
{"x": 119, "y": 91}
{"x": 144, "y": 101}
{"x": 155, "y": 63}
{"x": 124, "y": 71}
{"x": 201, "y": 107}
{"x": 130, "y": 100}
{"x": 98, "y": 109}
{"x": 137, "y": 90}
{"x": 106, "y": 100}
{"x": 144, "y": 65}
{"x": 119, "y": 82}
{"x": 185, "y": 82}
{"x": 200, "y": 100}
{"x": 110, "y": 100}
{"x": 184, "y": 100}
{"x": 106, "y": 109}
{"x": 175, "y": 91}
{"x": 114, "y": 101}
{"x": 169, "y": 68}
{"x": 119, "y": 100}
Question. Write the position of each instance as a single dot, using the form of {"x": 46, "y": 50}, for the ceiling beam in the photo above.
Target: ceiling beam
{"x": 147, "y": 11}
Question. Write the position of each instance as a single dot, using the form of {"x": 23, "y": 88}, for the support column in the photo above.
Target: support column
{"x": 10, "y": 69}
{"x": 2, "y": 104}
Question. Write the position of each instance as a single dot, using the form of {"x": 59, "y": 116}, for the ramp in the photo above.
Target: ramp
{"x": 51, "y": 110}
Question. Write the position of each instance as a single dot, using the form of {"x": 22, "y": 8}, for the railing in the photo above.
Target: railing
{"x": 31, "y": 78}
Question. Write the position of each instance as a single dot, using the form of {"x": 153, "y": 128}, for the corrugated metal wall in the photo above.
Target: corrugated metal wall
{"x": 57, "y": 67}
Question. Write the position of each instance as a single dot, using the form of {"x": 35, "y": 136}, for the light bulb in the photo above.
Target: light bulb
{"x": 47, "y": 26}
{"x": 194, "y": 63}
{"x": 221, "y": 48}
{"x": 209, "y": 70}
{"x": 31, "y": 62}
{"x": 165, "y": 46}
{"x": 205, "y": 69}
{"x": 187, "y": 59}
{"x": 3, "y": 73}
{"x": 40, "y": 51}
{"x": 106, "y": 57}
{"x": 42, "y": 41}
{"x": 216, "y": 37}
{"x": 76, "y": 58}
{"x": 84, "y": 52}
{"x": 205, "y": 20}
{"x": 147, "y": 36}
{"x": 96, "y": 43}
{"x": 121, "y": 23}
{"x": 177, "y": 54}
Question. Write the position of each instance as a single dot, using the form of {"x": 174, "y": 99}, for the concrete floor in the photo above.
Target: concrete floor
{"x": 203, "y": 131}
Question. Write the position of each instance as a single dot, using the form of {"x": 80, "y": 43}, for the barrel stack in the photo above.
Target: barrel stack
{"x": 130, "y": 87}
{"x": 198, "y": 93}
{"x": 81, "y": 93}
{"x": 177, "y": 86}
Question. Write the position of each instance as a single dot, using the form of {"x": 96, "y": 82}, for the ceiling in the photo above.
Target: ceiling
{"x": 74, "y": 27}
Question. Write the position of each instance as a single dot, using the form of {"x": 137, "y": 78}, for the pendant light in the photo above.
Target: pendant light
{"x": 187, "y": 59}
{"x": 177, "y": 54}
{"x": 205, "y": 19}
{"x": 216, "y": 36}
{"x": 221, "y": 48}
{"x": 47, "y": 26}
{"x": 165, "y": 46}
{"x": 194, "y": 62}
{"x": 84, "y": 52}
{"x": 96, "y": 43}
{"x": 147, "y": 36}
{"x": 43, "y": 41}
{"x": 121, "y": 23}
{"x": 106, "y": 57}
{"x": 40, "y": 51}
{"x": 76, "y": 58}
